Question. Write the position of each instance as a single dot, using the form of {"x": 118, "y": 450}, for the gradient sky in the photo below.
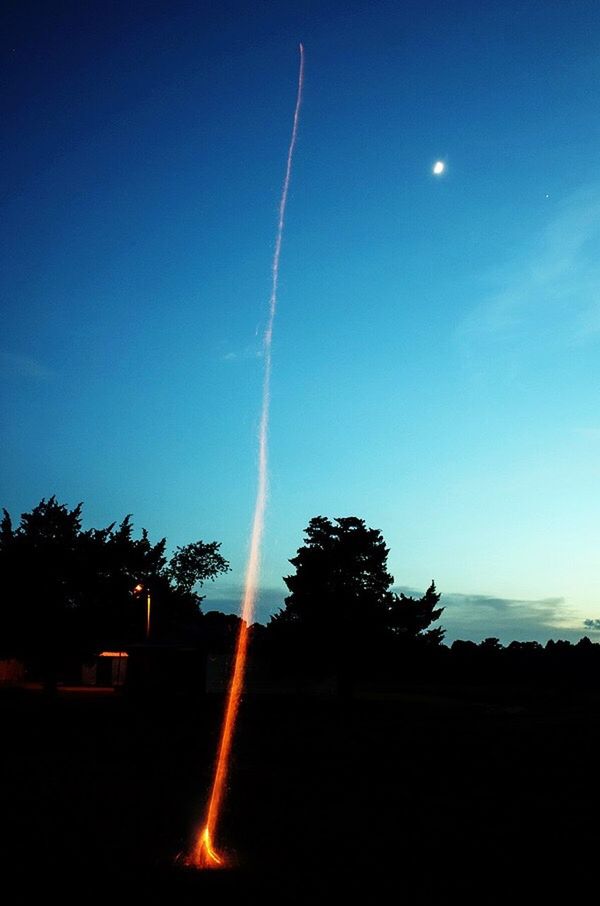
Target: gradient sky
{"x": 436, "y": 364}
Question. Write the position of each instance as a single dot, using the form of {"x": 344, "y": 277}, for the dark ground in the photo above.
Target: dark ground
{"x": 427, "y": 793}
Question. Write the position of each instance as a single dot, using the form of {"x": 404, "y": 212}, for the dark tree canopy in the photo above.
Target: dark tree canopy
{"x": 195, "y": 563}
{"x": 65, "y": 589}
{"x": 341, "y": 607}
{"x": 341, "y": 577}
{"x": 409, "y": 617}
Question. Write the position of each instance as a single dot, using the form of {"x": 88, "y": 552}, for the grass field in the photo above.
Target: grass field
{"x": 421, "y": 790}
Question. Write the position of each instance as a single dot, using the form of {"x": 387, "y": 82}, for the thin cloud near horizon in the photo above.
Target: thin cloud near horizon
{"x": 465, "y": 616}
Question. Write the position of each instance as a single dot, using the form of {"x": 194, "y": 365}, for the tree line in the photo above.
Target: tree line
{"x": 66, "y": 591}
{"x": 69, "y": 592}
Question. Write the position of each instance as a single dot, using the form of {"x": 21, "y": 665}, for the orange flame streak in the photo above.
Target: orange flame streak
{"x": 204, "y": 854}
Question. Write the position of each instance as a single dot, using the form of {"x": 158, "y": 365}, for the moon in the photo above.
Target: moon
{"x": 439, "y": 167}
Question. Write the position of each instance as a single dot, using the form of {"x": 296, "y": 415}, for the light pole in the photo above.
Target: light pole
{"x": 139, "y": 588}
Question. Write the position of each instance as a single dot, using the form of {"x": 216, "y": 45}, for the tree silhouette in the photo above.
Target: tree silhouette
{"x": 41, "y": 574}
{"x": 195, "y": 563}
{"x": 340, "y": 611}
{"x": 409, "y": 617}
{"x": 71, "y": 590}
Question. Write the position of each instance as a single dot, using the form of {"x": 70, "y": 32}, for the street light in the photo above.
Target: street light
{"x": 139, "y": 588}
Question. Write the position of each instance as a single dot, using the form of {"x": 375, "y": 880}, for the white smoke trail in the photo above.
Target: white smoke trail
{"x": 252, "y": 572}
{"x": 204, "y": 854}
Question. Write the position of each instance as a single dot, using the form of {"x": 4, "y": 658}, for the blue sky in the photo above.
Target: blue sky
{"x": 436, "y": 361}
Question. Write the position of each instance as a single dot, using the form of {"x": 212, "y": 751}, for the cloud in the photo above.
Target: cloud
{"x": 23, "y": 366}
{"x": 474, "y": 617}
{"x": 477, "y": 617}
{"x": 249, "y": 352}
{"x": 558, "y": 280}
{"x": 227, "y": 598}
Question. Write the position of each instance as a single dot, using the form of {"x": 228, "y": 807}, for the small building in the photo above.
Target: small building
{"x": 149, "y": 669}
{"x": 109, "y": 668}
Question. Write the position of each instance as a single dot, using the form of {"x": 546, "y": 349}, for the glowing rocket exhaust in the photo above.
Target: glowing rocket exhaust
{"x": 204, "y": 854}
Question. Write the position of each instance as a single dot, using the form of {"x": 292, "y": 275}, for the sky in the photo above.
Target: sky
{"x": 436, "y": 365}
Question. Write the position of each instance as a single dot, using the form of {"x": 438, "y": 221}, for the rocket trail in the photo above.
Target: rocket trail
{"x": 204, "y": 854}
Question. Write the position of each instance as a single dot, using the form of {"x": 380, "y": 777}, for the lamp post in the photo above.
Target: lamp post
{"x": 139, "y": 588}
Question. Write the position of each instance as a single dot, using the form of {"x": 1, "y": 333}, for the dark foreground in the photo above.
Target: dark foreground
{"x": 426, "y": 793}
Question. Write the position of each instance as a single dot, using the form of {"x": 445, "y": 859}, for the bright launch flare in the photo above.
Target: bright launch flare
{"x": 204, "y": 854}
